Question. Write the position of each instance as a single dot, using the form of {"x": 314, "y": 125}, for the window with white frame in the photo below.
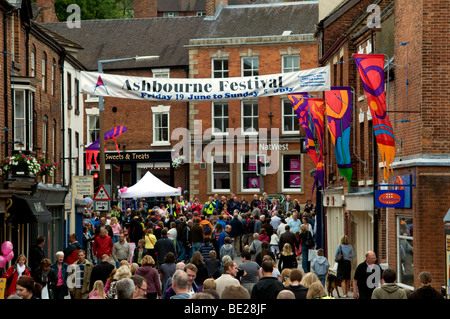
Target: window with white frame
{"x": 220, "y": 68}
{"x": 33, "y": 61}
{"x": 44, "y": 136}
{"x": 249, "y": 180}
{"x": 291, "y": 172}
{"x": 23, "y": 119}
{"x": 290, "y": 120}
{"x": 161, "y": 124}
{"x": 220, "y": 117}
{"x": 44, "y": 72}
{"x": 69, "y": 97}
{"x": 170, "y": 14}
{"x": 93, "y": 128}
{"x": 220, "y": 173}
{"x": 405, "y": 251}
{"x": 53, "y": 77}
{"x": 250, "y": 117}
{"x": 250, "y": 66}
{"x": 291, "y": 63}
{"x": 162, "y": 73}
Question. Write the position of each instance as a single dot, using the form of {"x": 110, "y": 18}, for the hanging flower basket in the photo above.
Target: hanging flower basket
{"x": 47, "y": 168}
{"x": 20, "y": 165}
{"x": 178, "y": 161}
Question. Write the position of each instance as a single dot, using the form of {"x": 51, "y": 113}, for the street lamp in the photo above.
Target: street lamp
{"x": 100, "y": 110}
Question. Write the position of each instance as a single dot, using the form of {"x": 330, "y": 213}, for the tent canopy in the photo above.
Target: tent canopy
{"x": 150, "y": 186}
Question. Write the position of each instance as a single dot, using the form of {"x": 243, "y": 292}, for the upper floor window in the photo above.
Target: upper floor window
{"x": 23, "y": 119}
{"x": 220, "y": 117}
{"x": 44, "y": 72}
{"x": 220, "y": 68}
{"x": 289, "y": 118}
{"x": 161, "y": 125}
{"x": 250, "y": 66}
{"x": 163, "y": 73}
{"x": 291, "y": 63}
{"x": 250, "y": 117}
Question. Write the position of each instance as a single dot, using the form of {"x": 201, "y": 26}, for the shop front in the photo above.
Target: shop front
{"x": 124, "y": 169}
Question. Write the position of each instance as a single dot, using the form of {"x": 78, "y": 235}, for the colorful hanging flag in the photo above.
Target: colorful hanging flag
{"x": 299, "y": 102}
{"x": 371, "y": 71}
{"x": 317, "y": 110}
{"x": 93, "y": 149}
{"x": 338, "y": 104}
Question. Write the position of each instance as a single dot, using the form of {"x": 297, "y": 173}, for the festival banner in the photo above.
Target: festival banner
{"x": 299, "y": 102}
{"x": 206, "y": 89}
{"x": 317, "y": 110}
{"x": 371, "y": 71}
{"x": 338, "y": 104}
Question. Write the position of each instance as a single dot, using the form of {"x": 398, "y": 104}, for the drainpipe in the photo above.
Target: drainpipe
{"x": 62, "y": 57}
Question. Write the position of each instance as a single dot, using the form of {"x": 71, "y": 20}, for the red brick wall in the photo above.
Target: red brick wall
{"x": 47, "y": 104}
{"x": 270, "y": 62}
{"x": 136, "y": 116}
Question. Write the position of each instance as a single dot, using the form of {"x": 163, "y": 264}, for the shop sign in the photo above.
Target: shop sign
{"x": 390, "y": 198}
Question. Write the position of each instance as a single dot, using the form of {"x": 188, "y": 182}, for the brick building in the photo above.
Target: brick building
{"x": 415, "y": 56}
{"x": 231, "y": 45}
{"x": 32, "y": 115}
{"x": 142, "y": 147}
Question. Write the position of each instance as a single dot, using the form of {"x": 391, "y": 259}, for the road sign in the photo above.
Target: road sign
{"x": 102, "y": 194}
{"x": 101, "y": 205}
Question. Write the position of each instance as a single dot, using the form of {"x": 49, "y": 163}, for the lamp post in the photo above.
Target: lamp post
{"x": 101, "y": 109}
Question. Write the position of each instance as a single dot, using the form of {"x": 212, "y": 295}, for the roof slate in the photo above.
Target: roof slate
{"x": 120, "y": 38}
{"x": 167, "y": 37}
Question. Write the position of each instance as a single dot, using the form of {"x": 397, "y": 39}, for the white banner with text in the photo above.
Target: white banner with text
{"x": 176, "y": 89}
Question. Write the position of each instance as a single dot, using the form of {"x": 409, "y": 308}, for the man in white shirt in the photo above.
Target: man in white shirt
{"x": 230, "y": 270}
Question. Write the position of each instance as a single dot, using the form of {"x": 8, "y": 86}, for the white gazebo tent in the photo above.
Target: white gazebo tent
{"x": 150, "y": 186}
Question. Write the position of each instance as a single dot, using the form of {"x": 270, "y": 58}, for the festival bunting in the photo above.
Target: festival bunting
{"x": 299, "y": 102}
{"x": 338, "y": 105}
{"x": 371, "y": 71}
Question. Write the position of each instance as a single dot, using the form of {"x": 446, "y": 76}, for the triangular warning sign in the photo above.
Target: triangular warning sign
{"x": 101, "y": 194}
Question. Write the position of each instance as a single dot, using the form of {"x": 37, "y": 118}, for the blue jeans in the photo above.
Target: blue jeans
{"x": 181, "y": 251}
{"x": 196, "y": 247}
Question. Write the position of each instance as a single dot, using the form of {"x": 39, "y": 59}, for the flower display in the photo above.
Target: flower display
{"x": 178, "y": 160}
{"x": 21, "y": 164}
{"x": 46, "y": 167}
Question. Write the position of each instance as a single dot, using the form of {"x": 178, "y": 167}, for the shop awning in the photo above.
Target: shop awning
{"x": 28, "y": 209}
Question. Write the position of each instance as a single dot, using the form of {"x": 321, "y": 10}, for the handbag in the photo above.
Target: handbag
{"x": 340, "y": 255}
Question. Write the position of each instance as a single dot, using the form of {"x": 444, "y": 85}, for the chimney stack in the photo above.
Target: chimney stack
{"x": 46, "y": 11}
{"x": 212, "y": 5}
{"x": 145, "y": 8}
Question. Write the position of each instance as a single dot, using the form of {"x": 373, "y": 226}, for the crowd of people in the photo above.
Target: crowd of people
{"x": 183, "y": 249}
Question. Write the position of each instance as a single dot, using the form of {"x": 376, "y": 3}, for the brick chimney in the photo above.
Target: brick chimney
{"x": 211, "y": 6}
{"x": 46, "y": 11}
{"x": 145, "y": 8}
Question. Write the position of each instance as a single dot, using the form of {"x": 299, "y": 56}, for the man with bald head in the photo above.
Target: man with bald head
{"x": 367, "y": 277}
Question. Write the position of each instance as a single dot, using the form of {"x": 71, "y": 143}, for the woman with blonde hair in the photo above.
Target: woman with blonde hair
{"x": 98, "y": 290}
{"x": 149, "y": 272}
{"x": 122, "y": 272}
{"x": 309, "y": 278}
{"x": 287, "y": 258}
{"x": 317, "y": 291}
{"x": 285, "y": 277}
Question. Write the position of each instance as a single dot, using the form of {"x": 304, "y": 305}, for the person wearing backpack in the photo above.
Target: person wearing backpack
{"x": 207, "y": 227}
